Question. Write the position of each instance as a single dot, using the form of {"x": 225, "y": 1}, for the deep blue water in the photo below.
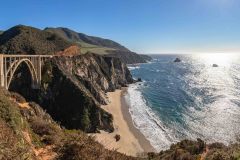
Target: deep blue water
{"x": 190, "y": 99}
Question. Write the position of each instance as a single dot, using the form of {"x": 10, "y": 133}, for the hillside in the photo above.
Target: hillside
{"x": 1, "y": 32}
{"x": 99, "y": 45}
{"x": 81, "y": 38}
{"x": 28, "y": 40}
{"x": 28, "y": 132}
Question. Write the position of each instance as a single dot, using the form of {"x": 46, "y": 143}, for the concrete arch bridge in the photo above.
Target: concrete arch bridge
{"x": 10, "y": 63}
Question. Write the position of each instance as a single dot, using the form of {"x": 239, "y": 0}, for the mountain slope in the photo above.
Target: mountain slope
{"x": 28, "y": 132}
{"x": 1, "y": 32}
{"x": 99, "y": 45}
{"x": 73, "y": 36}
{"x": 28, "y": 40}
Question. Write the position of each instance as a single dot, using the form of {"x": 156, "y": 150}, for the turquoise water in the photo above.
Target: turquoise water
{"x": 190, "y": 99}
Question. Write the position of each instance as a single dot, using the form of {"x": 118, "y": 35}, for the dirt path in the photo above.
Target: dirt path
{"x": 204, "y": 154}
{"x": 44, "y": 153}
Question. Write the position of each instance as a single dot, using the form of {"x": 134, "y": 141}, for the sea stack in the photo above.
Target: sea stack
{"x": 177, "y": 60}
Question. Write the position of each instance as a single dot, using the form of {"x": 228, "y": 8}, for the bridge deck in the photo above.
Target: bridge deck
{"x": 20, "y": 55}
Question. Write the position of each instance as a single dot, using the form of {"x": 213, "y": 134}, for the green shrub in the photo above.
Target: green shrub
{"x": 85, "y": 120}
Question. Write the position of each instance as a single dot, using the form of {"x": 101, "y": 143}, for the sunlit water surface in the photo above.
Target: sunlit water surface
{"x": 191, "y": 99}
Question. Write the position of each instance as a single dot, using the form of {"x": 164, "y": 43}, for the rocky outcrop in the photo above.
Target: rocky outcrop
{"x": 177, "y": 60}
{"x": 127, "y": 56}
{"x": 74, "y": 87}
{"x": 146, "y": 57}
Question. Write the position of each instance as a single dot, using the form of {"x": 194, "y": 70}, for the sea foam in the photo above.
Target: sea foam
{"x": 146, "y": 120}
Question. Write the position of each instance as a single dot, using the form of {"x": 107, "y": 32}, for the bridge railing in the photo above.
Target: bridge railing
{"x": 21, "y": 55}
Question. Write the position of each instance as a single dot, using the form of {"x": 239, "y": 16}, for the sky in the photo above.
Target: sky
{"x": 144, "y": 26}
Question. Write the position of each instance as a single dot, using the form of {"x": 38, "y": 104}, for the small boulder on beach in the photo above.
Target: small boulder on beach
{"x": 117, "y": 137}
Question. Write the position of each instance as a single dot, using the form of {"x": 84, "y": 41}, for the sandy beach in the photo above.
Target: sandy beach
{"x": 132, "y": 141}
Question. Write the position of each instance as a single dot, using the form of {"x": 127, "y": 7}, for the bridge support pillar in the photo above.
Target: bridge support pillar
{"x": 2, "y": 77}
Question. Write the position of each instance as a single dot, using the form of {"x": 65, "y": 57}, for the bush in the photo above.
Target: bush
{"x": 85, "y": 120}
{"x": 79, "y": 146}
{"x": 49, "y": 133}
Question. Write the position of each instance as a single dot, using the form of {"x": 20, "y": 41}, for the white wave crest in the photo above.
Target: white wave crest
{"x": 146, "y": 121}
{"x": 133, "y": 67}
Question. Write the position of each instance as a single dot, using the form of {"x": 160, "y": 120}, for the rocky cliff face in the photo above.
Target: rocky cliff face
{"x": 97, "y": 73}
{"x": 75, "y": 86}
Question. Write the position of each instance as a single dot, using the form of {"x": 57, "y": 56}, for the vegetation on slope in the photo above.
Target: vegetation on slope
{"x": 27, "y": 131}
{"x": 13, "y": 145}
{"x": 99, "y": 45}
{"x": 198, "y": 150}
{"x": 73, "y": 36}
{"x": 28, "y": 40}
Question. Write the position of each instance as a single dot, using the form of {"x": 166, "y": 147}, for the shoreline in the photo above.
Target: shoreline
{"x": 144, "y": 143}
{"x": 132, "y": 142}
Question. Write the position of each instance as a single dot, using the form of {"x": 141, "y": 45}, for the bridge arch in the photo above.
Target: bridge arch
{"x": 9, "y": 64}
{"x": 15, "y": 65}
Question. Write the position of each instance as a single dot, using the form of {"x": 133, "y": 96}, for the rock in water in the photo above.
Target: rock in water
{"x": 177, "y": 60}
{"x": 139, "y": 80}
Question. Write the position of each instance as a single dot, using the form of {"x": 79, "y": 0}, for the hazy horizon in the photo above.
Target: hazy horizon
{"x": 188, "y": 26}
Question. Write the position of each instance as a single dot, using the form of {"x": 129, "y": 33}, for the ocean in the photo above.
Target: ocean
{"x": 187, "y": 100}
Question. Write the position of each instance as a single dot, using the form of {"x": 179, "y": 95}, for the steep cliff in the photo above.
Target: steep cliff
{"x": 74, "y": 87}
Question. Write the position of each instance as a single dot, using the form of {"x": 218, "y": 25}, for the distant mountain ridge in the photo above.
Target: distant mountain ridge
{"x": 22, "y": 39}
{"x": 100, "y": 45}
